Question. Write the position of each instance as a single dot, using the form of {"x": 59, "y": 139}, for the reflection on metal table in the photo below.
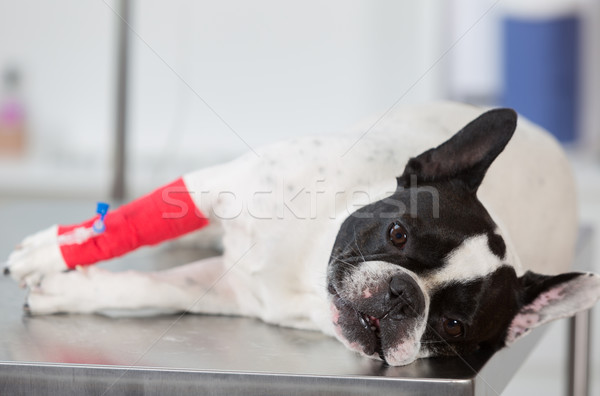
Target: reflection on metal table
{"x": 192, "y": 354}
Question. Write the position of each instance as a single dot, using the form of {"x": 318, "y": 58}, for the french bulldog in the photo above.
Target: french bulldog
{"x": 443, "y": 230}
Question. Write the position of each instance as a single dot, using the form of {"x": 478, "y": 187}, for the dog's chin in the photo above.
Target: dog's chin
{"x": 377, "y": 338}
{"x": 358, "y": 331}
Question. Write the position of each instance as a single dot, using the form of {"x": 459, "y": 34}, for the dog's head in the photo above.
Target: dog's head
{"x": 426, "y": 271}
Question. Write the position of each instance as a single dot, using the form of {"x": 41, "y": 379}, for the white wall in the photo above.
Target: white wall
{"x": 270, "y": 69}
{"x": 64, "y": 51}
{"x": 590, "y": 83}
{"x": 474, "y": 64}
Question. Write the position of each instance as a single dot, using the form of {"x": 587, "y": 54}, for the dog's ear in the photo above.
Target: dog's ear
{"x": 467, "y": 155}
{"x": 544, "y": 298}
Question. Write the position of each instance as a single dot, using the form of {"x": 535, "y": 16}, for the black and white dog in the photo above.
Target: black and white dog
{"x": 411, "y": 243}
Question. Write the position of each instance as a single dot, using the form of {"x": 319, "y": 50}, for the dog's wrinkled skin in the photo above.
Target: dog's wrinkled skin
{"x": 398, "y": 249}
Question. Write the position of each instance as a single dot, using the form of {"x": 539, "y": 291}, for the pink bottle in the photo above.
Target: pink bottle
{"x": 12, "y": 115}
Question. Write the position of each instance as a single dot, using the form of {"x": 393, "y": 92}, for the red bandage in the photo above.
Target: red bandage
{"x": 166, "y": 213}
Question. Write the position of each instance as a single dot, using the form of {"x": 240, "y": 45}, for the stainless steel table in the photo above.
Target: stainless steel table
{"x": 194, "y": 354}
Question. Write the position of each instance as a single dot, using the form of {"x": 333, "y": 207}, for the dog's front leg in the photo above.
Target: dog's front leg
{"x": 200, "y": 287}
{"x": 168, "y": 212}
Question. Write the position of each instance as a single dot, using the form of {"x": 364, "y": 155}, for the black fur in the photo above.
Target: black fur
{"x": 486, "y": 307}
{"x": 468, "y": 154}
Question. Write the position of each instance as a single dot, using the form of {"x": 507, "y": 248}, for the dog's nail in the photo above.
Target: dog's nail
{"x": 6, "y": 271}
{"x": 26, "y": 308}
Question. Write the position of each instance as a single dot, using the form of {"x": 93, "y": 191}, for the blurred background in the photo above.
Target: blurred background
{"x": 95, "y": 108}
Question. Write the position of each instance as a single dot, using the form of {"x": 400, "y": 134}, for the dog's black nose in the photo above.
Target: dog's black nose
{"x": 397, "y": 286}
{"x": 405, "y": 297}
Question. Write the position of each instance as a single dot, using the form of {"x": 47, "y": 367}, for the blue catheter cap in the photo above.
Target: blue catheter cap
{"x": 101, "y": 209}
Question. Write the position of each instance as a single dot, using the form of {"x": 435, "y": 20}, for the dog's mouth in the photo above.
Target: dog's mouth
{"x": 372, "y": 324}
{"x": 358, "y": 327}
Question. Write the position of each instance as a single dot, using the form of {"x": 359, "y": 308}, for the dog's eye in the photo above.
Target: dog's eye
{"x": 452, "y": 327}
{"x": 398, "y": 235}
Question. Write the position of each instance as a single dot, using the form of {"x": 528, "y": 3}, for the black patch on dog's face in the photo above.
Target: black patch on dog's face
{"x": 431, "y": 234}
{"x": 485, "y": 307}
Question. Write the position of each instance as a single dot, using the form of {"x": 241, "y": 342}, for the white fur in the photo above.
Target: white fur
{"x": 38, "y": 255}
{"x": 471, "y": 260}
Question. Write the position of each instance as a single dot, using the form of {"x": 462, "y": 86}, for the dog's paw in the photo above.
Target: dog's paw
{"x": 75, "y": 291}
{"x": 38, "y": 255}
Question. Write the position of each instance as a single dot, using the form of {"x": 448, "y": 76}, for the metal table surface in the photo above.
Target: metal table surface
{"x": 192, "y": 354}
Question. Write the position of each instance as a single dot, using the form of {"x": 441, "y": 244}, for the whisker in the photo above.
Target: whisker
{"x": 358, "y": 247}
{"x": 348, "y": 265}
{"x": 347, "y": 262}
{"x": 338, "y": 259}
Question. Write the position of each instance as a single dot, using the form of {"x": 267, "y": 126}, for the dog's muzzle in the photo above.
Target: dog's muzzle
{"x": 380, "y": 316}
